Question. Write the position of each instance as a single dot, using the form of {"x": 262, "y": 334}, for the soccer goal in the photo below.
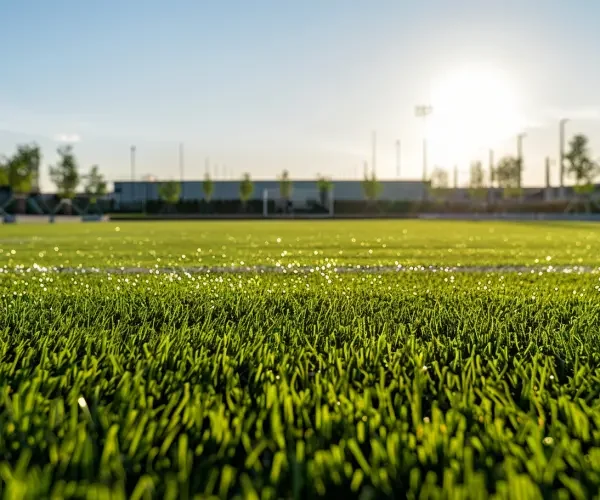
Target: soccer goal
{"x": 301, "y": 201}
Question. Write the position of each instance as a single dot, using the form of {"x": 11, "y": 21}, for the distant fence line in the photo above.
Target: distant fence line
{"x": 523, "y": 217}
{"x": 514, "y": 216}
{"x": 431, "y": 216}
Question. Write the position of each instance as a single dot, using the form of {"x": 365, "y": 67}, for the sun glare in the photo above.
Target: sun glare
{"x": 473, "y": 108}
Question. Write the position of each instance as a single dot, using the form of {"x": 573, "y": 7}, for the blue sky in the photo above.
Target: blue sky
{"x": 264, "y": 85}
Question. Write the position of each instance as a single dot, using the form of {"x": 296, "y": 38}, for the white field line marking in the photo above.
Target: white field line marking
{"x": 293, "y": 269}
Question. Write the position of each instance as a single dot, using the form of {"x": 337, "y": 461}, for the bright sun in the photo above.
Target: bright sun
{"x": 473, "y": 108}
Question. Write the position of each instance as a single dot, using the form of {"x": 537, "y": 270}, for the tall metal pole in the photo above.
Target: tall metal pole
{"x": 181, "y": 161}
{"x": 132, "y": 162}
{"x": 561, "y": 155}
{"x": 374, "y": 158}
{"x": 491, "y": 167}
{"x": 547, "y": 195}
{"x": 424, "y": 159}
{"x": 520, "y": 157}
{"x": 423, "y": 111}
{"x": 398, "y": 158}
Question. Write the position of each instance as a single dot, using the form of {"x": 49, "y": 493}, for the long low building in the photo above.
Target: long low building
{"x": 129, "y": 192}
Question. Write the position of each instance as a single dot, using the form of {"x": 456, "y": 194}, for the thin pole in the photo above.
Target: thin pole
{"x": 132, "y": 162}
{"x": 547, "y": 191}
{"x": 491, "y": 166}
{"x": 422, "y": 112}
{"x": 398, "y": 158}
{"x": 207, "y": 166}
{"x": 374, "y": 161}
{"x": 520, "y": 157}
{"x": 561, "y": 155}
{"x": 424, "y": 159}
{"x": 181, "y": 161}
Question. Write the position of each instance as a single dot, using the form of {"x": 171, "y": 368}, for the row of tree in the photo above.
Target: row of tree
{"x": 170, "y": 192}
{"x": 21, "y": 170}
{"x": 506, "y": 175}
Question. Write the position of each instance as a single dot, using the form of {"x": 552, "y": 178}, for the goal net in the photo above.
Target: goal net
{"x": 301, "y": 201}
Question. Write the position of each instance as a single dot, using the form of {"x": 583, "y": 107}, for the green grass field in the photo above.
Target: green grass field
{"x": 409, "y": 242}
{"x": 260, "y": 385}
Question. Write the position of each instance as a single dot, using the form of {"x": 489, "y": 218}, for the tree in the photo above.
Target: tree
{"x": 579, "y": 164}
{"x": 208, "y": 187}
{"x": 285, "y": 188}
{"x": 169, "y": 192}
{"x": 95, "y": 185}
{"x": 324, "y": 185}
{"x": 246, "y": 190}
{"x": 371, "y": 187}
{"x": 507, "y": 175}
{"x": 439, "y": 184}
{"x": 19, "y": 171}
{"x": 582, "y": 168}
{"x": 477, "y": 189}
{"x": 65, "y": 175}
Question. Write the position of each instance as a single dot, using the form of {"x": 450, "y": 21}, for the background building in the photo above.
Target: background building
{"x": 126, "y": 193}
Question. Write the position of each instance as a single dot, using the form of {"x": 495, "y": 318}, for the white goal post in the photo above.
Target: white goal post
{"x": 304, "y": 201}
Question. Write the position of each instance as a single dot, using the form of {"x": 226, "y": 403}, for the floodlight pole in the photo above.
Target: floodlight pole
{"x": 374, "y": 159}
{"x": 132, "y": 162}
{"x": 547, "y": 187}
{"x": 398, "y": 158}
{"x": 491, "y": 167}
{"x": 181, "y": 161}
{"x": 423, "y": 111}
{"x": 520, "y": 138}
{"x": 561, "y": 155}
